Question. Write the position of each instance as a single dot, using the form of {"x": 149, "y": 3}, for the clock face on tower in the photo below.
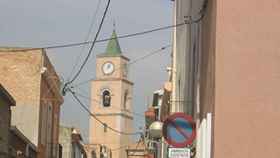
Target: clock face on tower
{"x": 108, "y": 68}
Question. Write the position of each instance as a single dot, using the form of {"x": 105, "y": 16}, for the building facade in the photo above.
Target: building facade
{"x": 236, "y": 79}
{"x": 6, "y": 102}
{"x": 111, "y": 96}
{"x": 159, "y": 111}
{"x": 71, "y": 142}
{"x": 20, "y": 146}
{"x": 98, "y": 151}
{"x": 31, "y": 79}
{"x": 183, "y": 59}
{"x": 239, "y": 77}
{"x": 138, "y": 150}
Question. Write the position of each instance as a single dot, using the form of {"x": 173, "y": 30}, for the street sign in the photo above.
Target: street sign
{"x": 179, "y": 153}
{"x": 179, "y": 130}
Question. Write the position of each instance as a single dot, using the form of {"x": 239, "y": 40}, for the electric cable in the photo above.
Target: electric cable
{"x": 127, "y": 146}
{"x": 202, "y": 11}
{"x": 202, "y": 14}
{"x": 99, "y": 102}
{"x": 96, "y": 118}
{"x": 136, "y": 148}
{"x": 121, "y": 147}
{"x": 132, "y": 62}
{"x": 106, "y": 39}
{"x": 101, "y": 40}
{"x": 93, "y": 20}
{"x": 92, "y": 46}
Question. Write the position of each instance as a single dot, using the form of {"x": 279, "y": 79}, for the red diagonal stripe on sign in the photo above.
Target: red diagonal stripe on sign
{"x": 180, "y": 130}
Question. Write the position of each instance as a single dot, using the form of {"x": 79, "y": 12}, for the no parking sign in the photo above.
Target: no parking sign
{"x": 179, "y": 130}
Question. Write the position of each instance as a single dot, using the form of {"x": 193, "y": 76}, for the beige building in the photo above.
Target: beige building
{"x": 111, "y": 94}
{"x": 240, "y": 77}
{"x": 31, "y": 79}
{"x": 71, "y": 141}
{"x": 236, "y": 83}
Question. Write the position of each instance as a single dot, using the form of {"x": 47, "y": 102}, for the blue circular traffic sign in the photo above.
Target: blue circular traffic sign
{"x": 179, "y": 130}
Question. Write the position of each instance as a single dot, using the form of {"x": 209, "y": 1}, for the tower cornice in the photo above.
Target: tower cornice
{"x": 104, "y": 55}
{"x": 114, "y": 114}
{"x": 115, "y": 79}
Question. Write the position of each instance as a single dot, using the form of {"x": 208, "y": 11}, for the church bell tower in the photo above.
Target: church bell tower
{"x": 111, "y": 95}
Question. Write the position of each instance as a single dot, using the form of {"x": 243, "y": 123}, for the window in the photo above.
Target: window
{"x": 125, "y": 70}
{"x": 105, "y": 126}
{"x": 93, "y": 154}
{"x": 49, "y": 128}
{"x": 125, "y": 99}
{"x": 106, "y": 98}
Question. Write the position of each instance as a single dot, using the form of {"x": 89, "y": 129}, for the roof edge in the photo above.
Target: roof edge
{"x": 18, "y": 49}
{"x": 112, "y": 55}
{"x": 7, "y": 96}
{"x": 23, "y": 137}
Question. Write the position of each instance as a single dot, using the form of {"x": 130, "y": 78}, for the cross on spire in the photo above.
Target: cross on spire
{"x": 113, "y": 47}
{"x": 114, "y": 25}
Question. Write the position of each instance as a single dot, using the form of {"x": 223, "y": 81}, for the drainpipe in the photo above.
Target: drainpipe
{"x": 27, "y": 154}
{"x": 182, "y": 64}
{"x": 174, "y": 63}
{"x": 188, "y": 100}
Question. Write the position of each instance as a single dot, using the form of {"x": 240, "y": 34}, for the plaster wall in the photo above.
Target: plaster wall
{"x": 240, "y": 75}
{"x": 33, "y": 90}
{"x": 21, "y": 77}
{"x": 247, "y": 79}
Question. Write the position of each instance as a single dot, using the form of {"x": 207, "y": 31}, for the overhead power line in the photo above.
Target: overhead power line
{"x": 201, "y": 13}
{"x": 132, "y": 62}
{"x": 92, "y": 46}
{"x": 101, "y": 40}
{"x": 121, "y": 147}
{"x": 99, "y": 102}
{"x": 97, "y": 119}
{"x": 127, "y": 146}
{"x": 93, "y": 20}
{"x": 137, "y": 145}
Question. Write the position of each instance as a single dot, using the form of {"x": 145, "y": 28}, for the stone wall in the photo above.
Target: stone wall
{"x": 32, "y": 80}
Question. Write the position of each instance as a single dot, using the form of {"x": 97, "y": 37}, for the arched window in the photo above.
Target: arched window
{"x": 106, "y": 98}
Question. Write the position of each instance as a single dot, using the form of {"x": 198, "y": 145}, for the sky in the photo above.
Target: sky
{"x": 40, "y": 23}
